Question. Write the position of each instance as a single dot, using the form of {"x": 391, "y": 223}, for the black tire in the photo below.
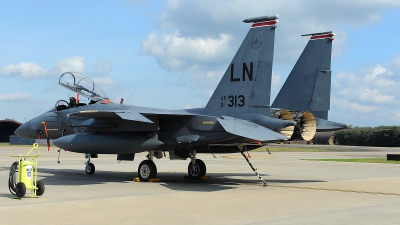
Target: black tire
{"x": 40, "y": 188}
{"x": 13, "y": 177}
{"x": 20, "y": 189}
{"x": 90, "y": 169}
{"x": 199, "y": 169}
{"x": 146, "y": 170}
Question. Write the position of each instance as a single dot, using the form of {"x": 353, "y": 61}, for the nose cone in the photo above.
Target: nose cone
{"x": 24, "y": 130}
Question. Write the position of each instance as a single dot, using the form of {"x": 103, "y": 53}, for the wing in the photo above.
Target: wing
{"x": 248, "y": 129}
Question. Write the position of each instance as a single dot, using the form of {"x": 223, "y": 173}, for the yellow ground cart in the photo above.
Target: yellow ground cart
{"x": 23, "y": 175}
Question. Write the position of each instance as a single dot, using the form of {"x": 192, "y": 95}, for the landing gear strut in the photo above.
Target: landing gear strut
{"x": 196, "y": 168}
{"x": 89, "y": 166}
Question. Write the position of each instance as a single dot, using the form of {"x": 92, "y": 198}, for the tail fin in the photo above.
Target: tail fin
{"x": 246, "y": 84}
{"x": 308, "y": 86}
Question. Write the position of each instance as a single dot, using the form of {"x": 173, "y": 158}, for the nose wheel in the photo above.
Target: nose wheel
{"x": 89, "y": 168}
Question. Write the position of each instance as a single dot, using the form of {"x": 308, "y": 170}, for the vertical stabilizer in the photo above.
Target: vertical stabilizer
{"x": 308, "y": 86}
{"x": 246, "y": 84}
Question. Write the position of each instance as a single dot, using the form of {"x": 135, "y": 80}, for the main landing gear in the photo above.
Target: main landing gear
{"x": 196, "y": 168}
{"x": 147, "y": 168}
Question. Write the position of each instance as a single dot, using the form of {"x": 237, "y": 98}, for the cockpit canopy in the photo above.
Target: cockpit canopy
{"x": 82, "y": 85}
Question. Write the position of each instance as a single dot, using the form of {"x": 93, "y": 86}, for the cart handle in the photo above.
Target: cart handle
{"x": 35, "y": 146}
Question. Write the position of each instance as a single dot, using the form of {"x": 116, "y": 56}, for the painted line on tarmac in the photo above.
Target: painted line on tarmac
{"x": 4, "y": 168}
{"x": 334, "y": 189}
{"x": 252, "y": 157}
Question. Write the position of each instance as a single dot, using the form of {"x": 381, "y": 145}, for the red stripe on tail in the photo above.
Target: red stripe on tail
{"x": 263, "y": 24}
{"x": 321, "y": 36}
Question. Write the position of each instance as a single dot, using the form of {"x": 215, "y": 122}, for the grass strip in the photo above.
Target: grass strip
{"x": 358, "y": 160}
{"x": 289, "y": 149}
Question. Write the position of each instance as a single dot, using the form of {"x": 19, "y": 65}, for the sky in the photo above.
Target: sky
{"x": 172, "y": 53}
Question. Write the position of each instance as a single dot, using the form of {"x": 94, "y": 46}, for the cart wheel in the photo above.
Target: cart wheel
{"x": 20, "y": 189}
{"x": 40, "y": 188}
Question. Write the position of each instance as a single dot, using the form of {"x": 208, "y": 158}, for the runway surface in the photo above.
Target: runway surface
{"x": 298, "y": 191}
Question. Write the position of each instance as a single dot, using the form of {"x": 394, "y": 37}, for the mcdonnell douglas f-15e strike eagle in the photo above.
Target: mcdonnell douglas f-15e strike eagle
{"x": 237, "y": 114}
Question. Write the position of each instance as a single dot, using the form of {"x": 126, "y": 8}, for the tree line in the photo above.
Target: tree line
{"x": 382, "y": 136}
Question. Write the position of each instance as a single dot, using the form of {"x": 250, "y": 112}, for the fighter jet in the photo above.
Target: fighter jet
{"x": 308, "y": 87}
{"x": 237, "y": 114}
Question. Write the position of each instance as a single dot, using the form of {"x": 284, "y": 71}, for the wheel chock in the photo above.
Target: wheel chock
{"x": 156, "y": 179}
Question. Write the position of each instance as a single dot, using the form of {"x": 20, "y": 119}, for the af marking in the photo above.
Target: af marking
{"x": 245, "y": 71}
{"x": 233, "y": 101}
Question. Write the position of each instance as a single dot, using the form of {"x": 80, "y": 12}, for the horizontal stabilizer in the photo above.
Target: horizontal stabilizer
{"x": 326, "y": 125}
{"x": 244, "y": 128}
{"x": 111, "y": 114}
